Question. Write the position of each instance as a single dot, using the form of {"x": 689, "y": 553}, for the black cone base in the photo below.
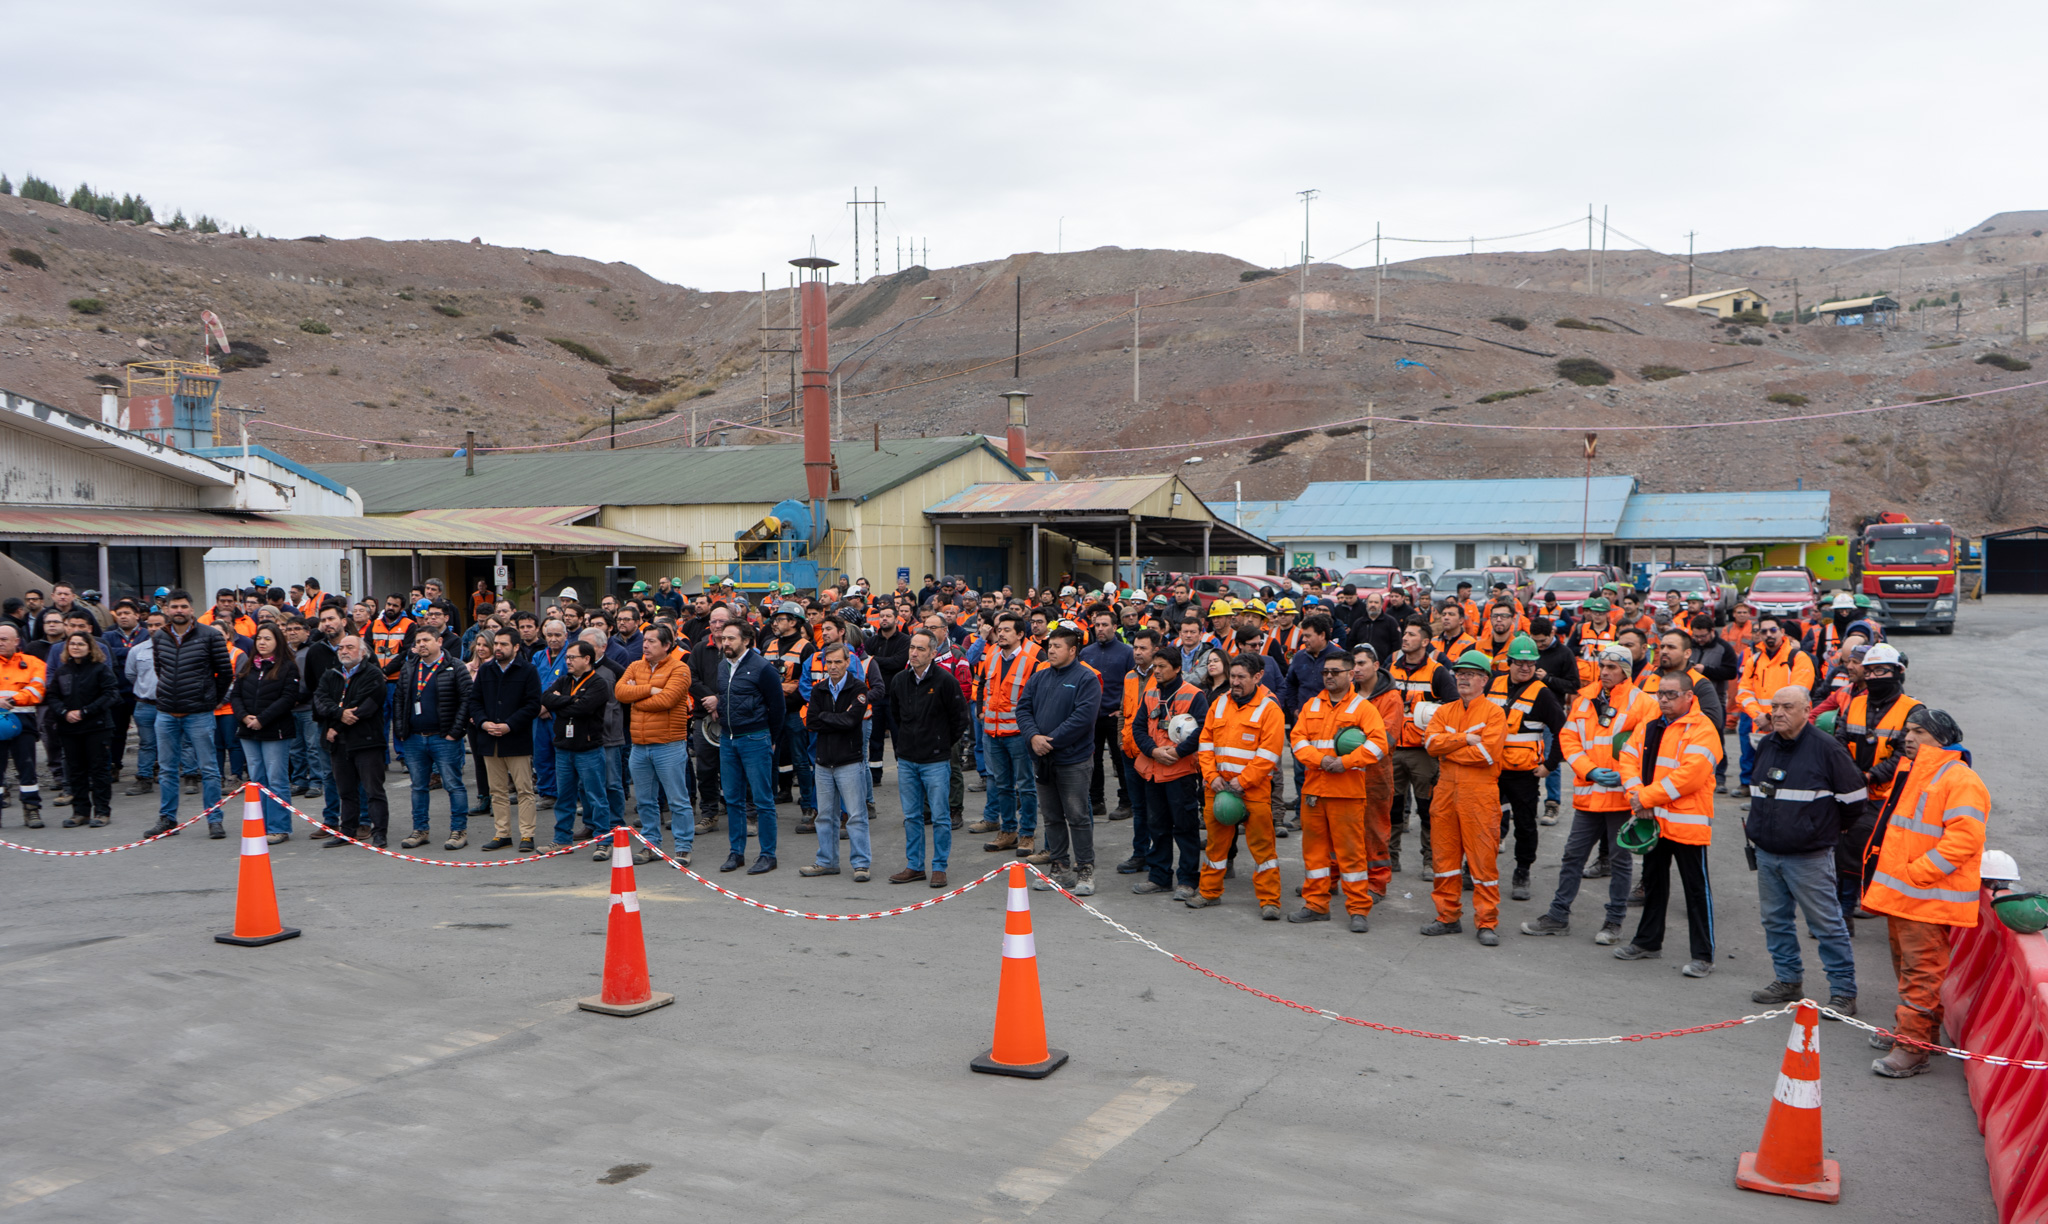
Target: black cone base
{"x": 1054, "y": 1060}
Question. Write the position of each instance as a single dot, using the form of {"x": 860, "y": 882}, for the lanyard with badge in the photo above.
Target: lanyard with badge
{"x": 569, "y": 728}
{"x": 419, "y": 686}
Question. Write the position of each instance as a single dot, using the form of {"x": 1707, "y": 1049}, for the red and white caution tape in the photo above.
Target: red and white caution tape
{"x": 414, "y": 858}
{"x": 113, "y": 849}
{"x": 927, "y": 903}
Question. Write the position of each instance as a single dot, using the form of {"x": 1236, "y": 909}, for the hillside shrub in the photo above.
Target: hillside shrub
{"x": 1584, "y": 371}
{"x": 638, "y": 386}
{"x": 315, "y": 326}
{"x": 1791, "y": 399}
{"x": 1569, "y": 324}
{"x": 2005, "y": 361}
{"x": 1252, "y": 274}
{"x": 1512, "y": 322}
{"x": 533, "y": 301}
{"x": 27, "y": 258}
{"x": 87, "y": 306}
{"x": 443, "y": 308}
{"x": 1273, "y": 448}
{"x": 506, "y": 337}
{"x": 1658, "y": 373}
{"x": 1495, "y": 397}
{"x": 1753, "y": 317}
{"x": 584, "y": 351}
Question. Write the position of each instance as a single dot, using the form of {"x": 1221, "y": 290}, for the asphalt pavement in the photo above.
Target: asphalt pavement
{"x": 416, "y": 1054}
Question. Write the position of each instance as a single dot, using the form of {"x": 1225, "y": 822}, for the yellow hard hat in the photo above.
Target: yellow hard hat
{"x": 1285, "y": 605}
{"x": 1225, "y": 606}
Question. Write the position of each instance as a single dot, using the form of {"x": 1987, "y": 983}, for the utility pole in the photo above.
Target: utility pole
{"x": 469, "y": 449}
{"x": 1603, "y": 249}
{"x": 1688, "y": 261}
{"x": 1589, "y": 247}
{"x": 876, "y": 219}
{"x": 1379, "y": 272}
{"x": 1795, "y": 301}
{"x": 1301, "y": 312}
{"x": 2023, "y": 305}
{"x": 1017, "y": 355}
{"x": 1586, "y": 513}
{"x": 1134, "y": 345}
{"x": 1368, "y": 444}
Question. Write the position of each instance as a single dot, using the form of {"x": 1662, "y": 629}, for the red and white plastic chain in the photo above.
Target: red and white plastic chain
{"x": 112, "y": 849}
{"x": 1996, "y": 1060}
{"x": 776, "y": 909}
{"x": 414, "y": 858}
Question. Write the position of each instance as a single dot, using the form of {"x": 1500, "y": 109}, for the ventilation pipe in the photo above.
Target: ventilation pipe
{"x": 1019, "y": 418}
{"x": 817, "y": 399}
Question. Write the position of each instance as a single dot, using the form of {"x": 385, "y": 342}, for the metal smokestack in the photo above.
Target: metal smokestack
{"x": 817, "y": 397}
{"x": 1019, "y": 418}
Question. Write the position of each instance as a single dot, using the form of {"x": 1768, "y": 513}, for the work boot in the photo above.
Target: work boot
{"x": 1518, "y": 888}
{"x": 31, "y": 814}
{"x": 1280, "y": 832}
{"x": 1630, "y": 952}
{"x": 1198, "y": 901}
{"x": 140, "y": 786}
{"x": 601, "y": 854}
{"x": 1122, "y": 812}
{"x": 975, "y": 782}
{"x": 1779, "y": 992}
{"x": 807, "y": 822}
{"x": 75, "y": 819}
{"x": 1467, "y": 874}
{"x": 1037, "y": 859}
{"x": 457, "y": 840}
{"x": 706, "y": 821}
{"x": 1598, "y": 871}
{"x": 1026, "y": 846}
{"x": 1269, "y": 913}
{"x": 1145, "y": 888}
{"x": 956, "y": 822}
{"x": 160, "y": 828}
{"x": 1359, "y": 925}
{"x": 1183, "y": 892}
{"x": 1697, "y": 968}
{"x": 1305, "y": 914}
{"x": 1130, "y": 866}
{"x": 1394, "y": 863}
{"x": 1453, "y": 927}
{"x": 1097, "y": 808}
{"x": 1903, "y": 1063}
{"x": 1489, "y": 938}
{"x": 1845, "y": 1004}
{"x": 1549, "y": 816}
{"x": 1003, "y": 841}
{"x": 415, "y": 839}
{"x": 1636, "y": 895}
{"x": 1084, "y": 882}
{"x": 192, "y": 785}
{"x": 1546, "y": 925}
{"x": 1610, "y": 934}
{"x": 1883, "y": 1041}
{"x": 985, "y": 826}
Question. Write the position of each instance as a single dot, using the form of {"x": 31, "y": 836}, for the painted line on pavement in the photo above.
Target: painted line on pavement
{"x": 1089, "y": 1141}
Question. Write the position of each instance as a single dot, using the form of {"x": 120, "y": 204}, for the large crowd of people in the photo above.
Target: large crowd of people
{"x": 1357, "y": 722}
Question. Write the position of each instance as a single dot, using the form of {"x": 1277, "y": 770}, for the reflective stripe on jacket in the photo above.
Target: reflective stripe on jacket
{"x": 1002, "y": 686}
{"x": 1588, "y": 743}
{"x": 1764, "y": 674}
{"x": 1244, "y": 742}
{"x": 1315, "y": 736}
{"x": 1462, "y": 761}
{"x": 1157, "y": 713}
{"x": 1927, "y": 869}
{"x": 1873, "y": 746}
{"x": 1677, "y": 787}
{"x": 1416, "y": 686}
{"x": 1523, "y": 749}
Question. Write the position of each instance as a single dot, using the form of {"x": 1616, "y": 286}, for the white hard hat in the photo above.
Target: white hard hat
{"x": 1844, "y": 601}
{"x": 1998, "y": 865}
{"x": 1424, "y": 712}
{"x": 567, "y": 593}
{"x": 1883, "y": 652}
{"x": 1180, "y": 726}
{"x": 1066, "y": 590}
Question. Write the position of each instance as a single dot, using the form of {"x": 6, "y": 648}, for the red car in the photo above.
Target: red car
{"x": 1784, "y": 592}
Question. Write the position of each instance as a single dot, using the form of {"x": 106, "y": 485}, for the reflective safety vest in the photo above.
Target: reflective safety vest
{"x": 1002, "y": 686}
{"x": 1315, "y": 736}
{"x": 388, "y": 639}
{"x": 1595, "y": 732}
{"x": 1927, "y": 869}
{"x": 234, "y": 669}
{"x": 1129, "y": 710}
{"x": 791, "y": 660}
{"x": 242, "y": 625}
{"x": 1870, "y": 746}
{"x": 1523, "y": 749}
{"x": 1244, "y": 742}
{"x": 1160, "y": 712}
{"x": 1461, "y": 763}
{"x": 1451, "y": 649}
{"x": 1678, "y": 788}
{"x": 1764, "y": 674}
{"x": 21, "y": 679}
{"x": 1415, "y": 687}
{"x": 1499, "y": 652}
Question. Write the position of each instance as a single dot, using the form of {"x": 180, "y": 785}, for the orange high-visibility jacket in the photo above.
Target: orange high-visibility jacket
{"x": 1589, "y": 743}
{"x": 1462, "y": 761}
{"x": 1878, "y": 742}
{"x": 1764, "y": 674}
{"x": 21, "y": 679}
{"x": 1003, "y": 686}
{"x": 1680, "y": 790}
{"x": 242, "y": 624}
{"x": 1244, "y": 742}
{"x": 1450, "y": 650}
{"x": 1415, "y": 686}
{"x": 1523, "y": 749}
{"x": 1927, "y": 870}
{"x": 1135, "y": 684}
{"x": 1159, "y": 710}
{"x": 1315, "y": 736}
{"x": 387, "y": 640}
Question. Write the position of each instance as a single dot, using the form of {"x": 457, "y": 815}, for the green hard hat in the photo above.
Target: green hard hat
{"x": 1862, "y": 600}
{"x": 639, "y": 587}
{"x": 1595, "y": 604}
{"x": 1638, "y": 835}
{"x": 787, "y": 588}
{"x": 1826, "y": 722}
{"x": 1523, "y": 649}
{"x": 1474, "y": 660}
{"x": 1229, "y": 808}
{"x": 1350, "y": 740}
{"x": 2025, "y": 912}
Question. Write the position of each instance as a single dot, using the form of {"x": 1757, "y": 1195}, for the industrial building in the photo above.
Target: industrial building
{"x": 1723, "y": 303}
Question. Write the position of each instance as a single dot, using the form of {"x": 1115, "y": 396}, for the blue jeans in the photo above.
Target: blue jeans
{"x": 1555, "y": 780}
{"x": 145, "y": 740}
{"x": 796, "y": 739}
{"x": 661, "y": 770}
{"x": 298, "y": 766}
{"x": 746, "y": 775}
{"x": 270, "y": 765}
{"x": 1012, "y": 787}
{"x": 544, "y": 757}
{"x": 319, "y": 765}
{"x": 1743, "y": 730}
{"x": 843, "y": 789}
{"x": 227, "y": 747}
{"x": 925, "y": 789}
{"x": 422, "y": 753}
{"x": 581, "y": 775}
{"x": 1807, "y": 881}
{"x": 980, "y": 741}
{"x": 1134, "y": 790}
{"x": 614, "y": 784}
{"x": 179, "y": 733}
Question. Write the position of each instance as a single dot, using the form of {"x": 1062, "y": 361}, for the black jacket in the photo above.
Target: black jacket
{"x": 891, "y": 654}
{"x": 89, "y": 688}
{"x": 1803, "y": 793}
{"x": 927, "y": 715}
{"x": 579, "y": 709}
{"x": 1560, "y": 671}
{"x": 362, "y": 692}
{"x": 314, "y": 660}
{"x": 835, "y": 723}
{"x": 1382, "y": 633}
{"x": 269, "y": 694}
{"x": 509, "y": 695}
{"x": 749, "y": 695}
{"x": 1718, "y": 660}
{"x": 192, "y": 673}
{"x": 451, "y": 685}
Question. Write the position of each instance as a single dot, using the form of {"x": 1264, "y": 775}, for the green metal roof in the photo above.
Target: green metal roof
{"x": 667, "y": 476}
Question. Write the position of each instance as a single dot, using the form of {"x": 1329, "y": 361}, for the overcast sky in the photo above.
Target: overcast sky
{"x": 709, "y": 142}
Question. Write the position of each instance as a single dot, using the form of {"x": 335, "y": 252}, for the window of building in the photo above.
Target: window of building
{"x": 1551, "y": 558}
{"x": 1351, "y": 552}
{"x": 1404, "y": 556}
{"x": 1466, "y": 556}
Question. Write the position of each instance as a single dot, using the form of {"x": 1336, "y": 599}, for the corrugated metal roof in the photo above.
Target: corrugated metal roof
{"x": 1852, "y": 304}
{"x": 1114, "y": 496}
{"x": 537, "y": 516}
{"x": 1735, "y": 518}
{"x": 289, "y": 465}
{"x": 199, "y": 529}
{"x": 1417, "y": 510}
{"x": 1698, "y": 299}
{"x": 1256, "y": 517}
{"x": 665, "y": 476}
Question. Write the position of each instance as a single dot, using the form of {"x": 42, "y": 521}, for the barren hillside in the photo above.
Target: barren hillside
{"x": 426, "y": 340}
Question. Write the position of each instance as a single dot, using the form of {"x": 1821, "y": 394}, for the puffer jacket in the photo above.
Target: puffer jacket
{"x": 194, "y": 672}
{"x": 88, "y": 687}
{"x": 269, "y": 693}
{"x": 578, "y": 705}
{"x": 659, "y": 699}
{"x": 452, "y": 687}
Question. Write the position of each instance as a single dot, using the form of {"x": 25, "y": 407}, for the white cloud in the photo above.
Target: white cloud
{"x": 707, "y": 142}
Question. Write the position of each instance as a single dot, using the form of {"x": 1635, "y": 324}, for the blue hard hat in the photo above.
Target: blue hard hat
{"x": 420, "y": 606}
{"x": 160, "y": 593}
{"x": 260, "y": 581}
{"x": 10, "y": 725}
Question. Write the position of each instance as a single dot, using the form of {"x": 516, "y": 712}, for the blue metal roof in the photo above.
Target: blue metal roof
{"x": 1256, "y": 517}
{"x": 1732, "y": 518}
{"x": 290, "y": 465}
{"x": 1416, "y": 510}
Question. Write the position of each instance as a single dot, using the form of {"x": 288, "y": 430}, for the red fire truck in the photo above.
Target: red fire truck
{"x": 1909, "y": 573}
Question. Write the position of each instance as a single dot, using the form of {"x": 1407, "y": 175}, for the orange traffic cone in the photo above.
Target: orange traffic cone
{"x": 1019, "y": 1047}
{"x": 626, "y": 990}
{"x": 1788, "y": 1159}
{"x": 256, "y": 920}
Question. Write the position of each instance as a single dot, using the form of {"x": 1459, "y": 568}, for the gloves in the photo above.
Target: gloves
{"x": 1604, "y": 777}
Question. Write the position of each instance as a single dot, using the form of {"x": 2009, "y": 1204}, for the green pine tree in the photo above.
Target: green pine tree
{"x": 6, "y": 188}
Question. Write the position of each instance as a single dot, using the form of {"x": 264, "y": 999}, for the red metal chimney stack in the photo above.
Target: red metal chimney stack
{"x": 1019, "y": 418}
{"x": 817, "y": 399}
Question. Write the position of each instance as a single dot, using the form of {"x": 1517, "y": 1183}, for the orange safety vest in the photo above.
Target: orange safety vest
{"x": 1244, "y": 742}
{"x": 1879, "y": 742}
{"x": 1499, "y": 653}
{"x": 1927, "y": 869}
{"x": 1003, "y": 687}
{"x": 21, "y": 679}
{"x": 1416, "y": 687}
{"x": 1160, "y": 712}
{"x": 1765, "y": 674}
{"x": 234, "y": 669}
{"x": 1135, "y": 684}
{"x": 1680, "y": 792}
{"x": 1591, "y": 743}
{"x": 1523, "y": 750}
{"x": 311, "y": 608}
{"x": 389, "y": 640}
{"x": 242, "y": 624}
{"x": 1455, "y": 648}
{"x": 1315, "y": 735}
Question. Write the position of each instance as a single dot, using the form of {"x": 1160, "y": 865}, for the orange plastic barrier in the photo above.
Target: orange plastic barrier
{"x": 1996, "y": 999}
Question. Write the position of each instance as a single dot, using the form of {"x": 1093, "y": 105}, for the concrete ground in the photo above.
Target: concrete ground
{"x": 416, "y": 1054}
